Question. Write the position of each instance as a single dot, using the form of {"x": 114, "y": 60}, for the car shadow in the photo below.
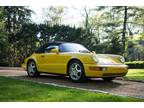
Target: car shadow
{"x": 93, "y": 83}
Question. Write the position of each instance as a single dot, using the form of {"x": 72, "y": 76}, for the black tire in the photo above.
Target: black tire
{"x": 32, "y": 69}
{"x": 108, "y": 79}
{"x": 73, "y": 73}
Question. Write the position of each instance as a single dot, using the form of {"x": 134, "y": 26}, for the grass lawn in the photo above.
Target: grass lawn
{"x": 19, "y": 90}
{"x": 135, "y": 74}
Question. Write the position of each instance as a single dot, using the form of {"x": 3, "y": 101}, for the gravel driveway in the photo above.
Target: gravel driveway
{"x": 118, "y": 87}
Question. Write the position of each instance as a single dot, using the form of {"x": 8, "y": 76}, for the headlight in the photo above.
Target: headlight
{"x": 122, "y": 59}
{"x": 95, "y": 58}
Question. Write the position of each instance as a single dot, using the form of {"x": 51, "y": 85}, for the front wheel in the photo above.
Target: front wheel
{"x": 32, "y": 69}
{"x": 108, "y": 78}
{"x": 76, "y": 71}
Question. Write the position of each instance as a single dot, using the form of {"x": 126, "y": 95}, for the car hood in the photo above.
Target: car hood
{"x": 108, "y": 59}
{"x": 103, "y": 59}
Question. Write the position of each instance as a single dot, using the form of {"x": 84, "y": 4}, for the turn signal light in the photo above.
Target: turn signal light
{"x": 97, "y": 68}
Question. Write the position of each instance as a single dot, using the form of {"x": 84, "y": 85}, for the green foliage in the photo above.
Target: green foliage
{"x": 3, "y": 42}
{"x": 108, "y": 25}
{"x": 27, "y": 39}
{"x": 135, "y": 50}
{"x": 135, "y": 64}
{"x": 107, "y": 29}
{"x": 102, "y": 31}
{"x": 13, "y": 17}
{"x": 59, "y": 33}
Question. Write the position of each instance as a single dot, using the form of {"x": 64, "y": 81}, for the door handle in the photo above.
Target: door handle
{"x": 42, "y": 55}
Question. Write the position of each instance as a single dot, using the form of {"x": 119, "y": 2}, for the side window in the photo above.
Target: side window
{"x": 63, "y": 48}
{"x": 41, "y": 49}
{"x": 49, "y": 48}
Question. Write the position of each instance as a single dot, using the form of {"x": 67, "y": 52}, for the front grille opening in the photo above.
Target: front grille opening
{"x": 113, "y": 74}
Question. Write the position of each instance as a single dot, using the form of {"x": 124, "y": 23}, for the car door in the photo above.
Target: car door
{"x": 52, "y": 62}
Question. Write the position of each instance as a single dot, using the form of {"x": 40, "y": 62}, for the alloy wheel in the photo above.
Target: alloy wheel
{"x": 31, "y": 68}
{"x": 75, "y": 71}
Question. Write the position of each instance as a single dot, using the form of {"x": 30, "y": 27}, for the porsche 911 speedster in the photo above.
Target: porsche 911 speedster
{"x": 75, "y": 61}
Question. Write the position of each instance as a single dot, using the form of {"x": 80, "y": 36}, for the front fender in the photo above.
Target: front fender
{"x": 32, "y": 57}
{"x": 84, "y": 58}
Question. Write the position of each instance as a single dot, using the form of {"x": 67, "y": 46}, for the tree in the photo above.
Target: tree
{"x": 14, "y": 17}
{"x": 87, "y": 26}
{"x": 53, "y": 15}
{"x": 3, "y": 41}
{"x": 108, "y": 28}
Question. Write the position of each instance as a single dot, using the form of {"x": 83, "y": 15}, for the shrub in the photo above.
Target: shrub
{"x": 4, "y": 64}
{"x": 135, "y": 64}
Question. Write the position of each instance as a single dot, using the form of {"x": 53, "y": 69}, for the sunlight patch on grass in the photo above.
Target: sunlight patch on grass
{"x": 135, "y": 74}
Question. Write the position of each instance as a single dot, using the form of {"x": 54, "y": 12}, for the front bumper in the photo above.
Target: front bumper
{"x": 92, "y": 70}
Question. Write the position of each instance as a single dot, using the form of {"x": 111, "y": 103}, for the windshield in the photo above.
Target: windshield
{"x": 72, "y": 47}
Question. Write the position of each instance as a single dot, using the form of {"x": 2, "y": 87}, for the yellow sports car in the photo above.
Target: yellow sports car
{"x": 75, "y": 61}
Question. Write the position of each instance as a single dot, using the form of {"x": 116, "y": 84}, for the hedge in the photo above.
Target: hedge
{"x": 135, "y": 64}
{"x": 4, "y": 64}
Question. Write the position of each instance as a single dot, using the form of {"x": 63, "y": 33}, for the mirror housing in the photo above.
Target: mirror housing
{"x": 55, "y": 50}
{"x": 93, "y": 52}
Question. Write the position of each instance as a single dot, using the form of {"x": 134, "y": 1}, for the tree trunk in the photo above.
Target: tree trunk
{"x": 86, "y": 21}
{"x": 124, "y": 28}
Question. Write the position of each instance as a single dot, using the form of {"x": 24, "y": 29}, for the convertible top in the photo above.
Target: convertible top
{"x": 50, "y": 43}
{"x": 56, "y": 43}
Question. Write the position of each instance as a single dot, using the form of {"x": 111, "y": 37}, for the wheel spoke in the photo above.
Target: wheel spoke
{"x": 32, "y": 65}
{"x": 78, "y": 70}
{"x": 29, "y": 69}
{"x": 77, "y": 76}
{"x": 72, "y": 72}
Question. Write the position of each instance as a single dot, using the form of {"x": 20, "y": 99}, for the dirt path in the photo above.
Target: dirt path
{"x": 119, "y": 87}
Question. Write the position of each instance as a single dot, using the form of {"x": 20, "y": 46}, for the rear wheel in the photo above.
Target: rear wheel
{"x": 108, "y": 78}
{"x": 76, "y": 71}
{"x": 32, "y": 69}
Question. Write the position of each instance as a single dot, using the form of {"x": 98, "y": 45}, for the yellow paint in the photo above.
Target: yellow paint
{"x": 57, "y": 63}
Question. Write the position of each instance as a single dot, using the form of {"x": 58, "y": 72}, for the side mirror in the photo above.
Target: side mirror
{"x": 54, "y": 50}
{"x": 93, "y": 52}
